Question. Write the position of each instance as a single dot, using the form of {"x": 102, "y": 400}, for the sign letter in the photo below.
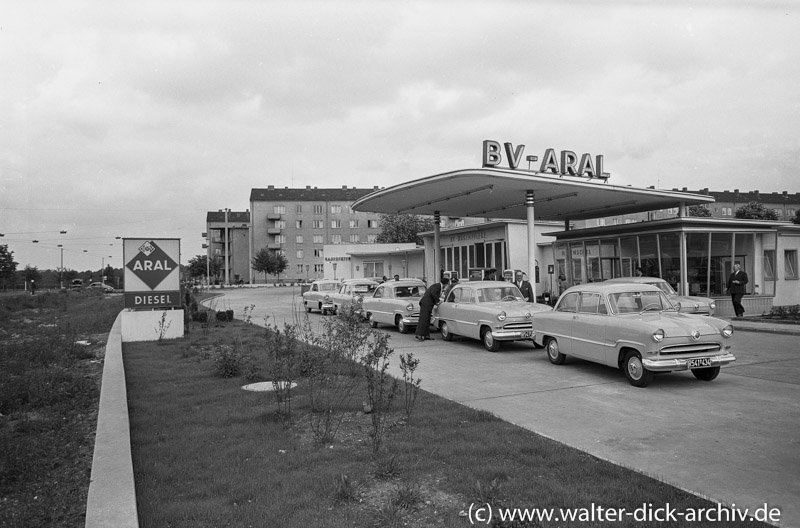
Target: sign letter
{"x": 514, "y": 155}
{"x": 549, "y": 162}
{"x": 568, "y": 160}
{"x": 491, "y": 153}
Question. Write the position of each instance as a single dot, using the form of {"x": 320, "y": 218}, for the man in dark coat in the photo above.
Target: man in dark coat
{"x": 426, "y": 304}
{"x": 736, "y": 287}
{"x": 524, "y": 287}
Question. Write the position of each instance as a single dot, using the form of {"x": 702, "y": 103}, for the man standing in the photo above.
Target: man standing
{"x": 429, "y": 300}
{"x": 736, "y": 287}
{"x": 524, "y": 286}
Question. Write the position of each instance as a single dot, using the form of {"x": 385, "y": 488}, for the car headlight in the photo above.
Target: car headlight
{"x": 326, "y": 298}
{"x": 727, "y": 331}
{"x": 501, "y": 316}
{"x": 713, "y": 306}
{"x": 409, "y": 307}
{"x": 658, "y": 335}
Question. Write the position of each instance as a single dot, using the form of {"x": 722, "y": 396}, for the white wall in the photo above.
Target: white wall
{"x": 147, "y": 326}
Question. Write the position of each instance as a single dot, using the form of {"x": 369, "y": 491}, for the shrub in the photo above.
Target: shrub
{"x": 345, "y": 490}
{"x": 227, "y": 361}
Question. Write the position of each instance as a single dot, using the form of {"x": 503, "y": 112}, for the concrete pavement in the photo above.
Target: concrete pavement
{"x": 733, "y": 440}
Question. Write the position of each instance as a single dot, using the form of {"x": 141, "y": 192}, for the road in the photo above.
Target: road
{"x": 734, "y": 440}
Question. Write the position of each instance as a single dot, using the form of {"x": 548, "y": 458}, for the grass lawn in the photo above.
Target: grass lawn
{"x": 51, "y": 352}
{"x": 207, "y": 453}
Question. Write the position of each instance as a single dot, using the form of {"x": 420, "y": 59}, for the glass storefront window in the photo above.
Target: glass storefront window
{"x": 669, "y": 244}
{"x": 720, "y": 261}
{"x": 648, "y": 252}
{"x": 609, "y": 259}
{"x": 697, "y": 263}
{"x": 593, "y": 261}
{"x": 745, "y": 256}
{"x": 577, "y": 262}
{"x": 629, "y": 250}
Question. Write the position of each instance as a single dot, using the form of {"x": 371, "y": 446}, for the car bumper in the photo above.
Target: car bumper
{"x": 671, "y": 364}
{"x": 412, "y": 320}
{"x": 512, "y": 335}
{"x": 326, "y": 306}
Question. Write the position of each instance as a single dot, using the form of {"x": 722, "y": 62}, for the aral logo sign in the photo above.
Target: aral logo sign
{"x": 152, "y": 274}
{"x": 151, "y": 264}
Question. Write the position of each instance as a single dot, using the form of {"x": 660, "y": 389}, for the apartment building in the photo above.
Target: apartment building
{"x": 299, "y": 222}
{"x": 231, "y": 229}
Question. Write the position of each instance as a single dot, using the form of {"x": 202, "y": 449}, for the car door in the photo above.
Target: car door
{"x": 466, "y": 316}
{"x": 563, "y": 318}
{"x": 379, "y": 305}
{"x": 448, "y": 309}
{"x": 590, "y": 322}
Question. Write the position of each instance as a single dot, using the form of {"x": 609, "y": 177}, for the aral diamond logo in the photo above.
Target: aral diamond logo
{"x": 152, "y": 265}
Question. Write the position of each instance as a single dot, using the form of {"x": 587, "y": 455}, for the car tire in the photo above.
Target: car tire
{"x": 489, "y": 342}
{"x": 706, "y": 374}
{"x": 401, "y": 326}
{"x": 553, "y": 354}
{"x": 445, "y": 331}
{"x": 372, "y": 322}
{"x": 319, "y": 307}
{"x": 637, "y": 375}
{"x": 308, "y": 308}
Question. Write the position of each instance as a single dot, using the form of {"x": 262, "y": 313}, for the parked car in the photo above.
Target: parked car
{"x": 77, "y": 284}
{"x": 317, "y": 296}
{"x": 688, "y": 303}
{"x": 492, "y": 311}
{"x": 101, "y": 286}
{"x": 395, "y": 303}
{"x": 636, "y": 328}
{"x": 352, "y": 291}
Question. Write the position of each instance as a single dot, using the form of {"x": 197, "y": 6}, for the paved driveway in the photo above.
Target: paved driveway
{"x": 734, "y": 440}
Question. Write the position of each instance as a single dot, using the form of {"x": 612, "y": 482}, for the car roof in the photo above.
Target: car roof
{"x": 611, "y": 287}
{"x": 485, "y": 284}
{"x": 404, "y": 282}
{"x": 635, "y": 280}
{"x": 362, "y": 281}
{"x": 325, "y": 281}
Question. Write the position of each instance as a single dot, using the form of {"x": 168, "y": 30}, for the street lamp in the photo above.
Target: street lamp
{"x": 307, "y": 266}
{"x": 334, "y": 271}
{"x": 61, "y": 268}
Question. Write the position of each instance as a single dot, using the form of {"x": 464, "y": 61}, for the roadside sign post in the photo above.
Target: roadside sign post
{"x": 152, "y": 289}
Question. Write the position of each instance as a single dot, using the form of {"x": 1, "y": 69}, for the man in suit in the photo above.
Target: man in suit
{"x": 524, "y": 287}
{"x": 426, "y": 304}
{"x": 736, "y": 287}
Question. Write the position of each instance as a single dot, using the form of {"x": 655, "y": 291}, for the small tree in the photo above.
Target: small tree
{"x": 32, "y": 273}
{"x": 8, "y": 268}
{"x": 699, "y": 211}
{"x": 757, "y": 211}
{"x": 796, "y": 219}
{"x": 269, "y": 261}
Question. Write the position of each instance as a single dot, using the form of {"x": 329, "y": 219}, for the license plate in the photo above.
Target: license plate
{"x": 526, "y": 334}
{"x": 699, "y": 363}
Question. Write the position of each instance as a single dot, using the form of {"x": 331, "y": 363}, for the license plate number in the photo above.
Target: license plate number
{"x": 699, "y": 363}
{"x": 526, "y": 334}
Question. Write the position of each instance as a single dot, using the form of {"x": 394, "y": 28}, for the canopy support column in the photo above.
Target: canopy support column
{"x": 436, "y": 249}
{"x": 529, "y": 201}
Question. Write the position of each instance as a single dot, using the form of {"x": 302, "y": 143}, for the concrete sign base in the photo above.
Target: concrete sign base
{"x": 151, "y": 325}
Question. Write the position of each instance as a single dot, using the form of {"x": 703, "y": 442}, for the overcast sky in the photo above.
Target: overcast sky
{"x": 132, "y": 119}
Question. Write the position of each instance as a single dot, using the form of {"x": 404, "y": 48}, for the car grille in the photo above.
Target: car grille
{"x": 691, "y": 349}
{"x": 518, "y": 326}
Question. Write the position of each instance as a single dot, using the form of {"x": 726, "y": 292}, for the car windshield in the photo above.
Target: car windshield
{"x": 409, "y": 291}
{"x": 499, "y": 293}
{"x": 639, "y": 301}
{"x": 664, "y": 286}
{"x": 332, "y": 286}
{"x": 364, "y": 288}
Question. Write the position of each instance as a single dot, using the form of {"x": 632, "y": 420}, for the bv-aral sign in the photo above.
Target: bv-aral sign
{"x": 152, "y": 275}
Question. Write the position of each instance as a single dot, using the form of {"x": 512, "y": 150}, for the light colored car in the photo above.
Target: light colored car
{"x": 395, "y": 303}
{"x": 492, "y": 311}
{"x": 688, "y": 303}
{"x": 351, "y": 291}
{"x": 318, "y": 295}
{"x": 636, "y": 328}
{"x": 101, "y": 286}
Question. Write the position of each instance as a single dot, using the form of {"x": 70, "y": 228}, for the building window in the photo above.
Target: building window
{"x": 279, "y": 209}
{"x": 353, "y": 224}
{"x": 790, "y": 263}
{"x": 317, "y": 224}
{"x": 298, "y": 239}
{"x": 298, "y": 208}
{"x": 319, "y": 209}
{"x": 769, "y": 264}
{"x": 298, "y": 224}
{"x": 319, "y": 268}
{"x": 373, "y": 269}
{"x": 355, "y": 239}
{"x": 280, "y": 239}
{"x": 336, "y": 224}
{"x": 299, "y": 269}
{"x": 336, "y": 239}
{"x": 319, "y": 239}
{"x": 299, "y": 254}
{"x": 336, "y": 209}
{"x": 318, "y": 253}
{"x": 372, "y": 224}
{"x": 280, "y": 224}
{"x": 372, "y": 238}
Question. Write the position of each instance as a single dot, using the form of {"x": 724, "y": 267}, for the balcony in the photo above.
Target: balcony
{"x": 273, "y": 246}
{"x": 273, "y": 216}
{"x": 274, "y": 231}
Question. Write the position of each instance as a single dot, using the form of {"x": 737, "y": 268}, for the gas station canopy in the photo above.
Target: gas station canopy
{"x": 501, "y": 193}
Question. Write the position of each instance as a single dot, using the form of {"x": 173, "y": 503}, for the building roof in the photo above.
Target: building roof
{"x": 309, "y": 194}
{"x": 749, "y": 196}
{"x": 500, "y": 193}
{"x": 233, "y": 216}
